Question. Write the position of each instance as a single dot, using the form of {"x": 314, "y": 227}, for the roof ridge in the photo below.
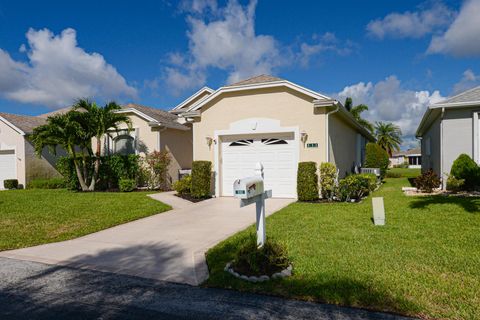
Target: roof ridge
{"x": 458, "y": 95}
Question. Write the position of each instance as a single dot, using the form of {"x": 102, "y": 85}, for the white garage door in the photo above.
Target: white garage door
{"x": 276, "y": 153}
{"x": 7, "y": 166}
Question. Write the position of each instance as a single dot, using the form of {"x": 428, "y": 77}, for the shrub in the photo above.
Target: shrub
{"x": 427, "y": 181}
{"x": 328, "y": 177}
{"x": 184, "y": 185}
{"x": 201, "y": 178}
{"x": 356, "y": 186}
{"x": 253, "y": 261}
{"x": 126, "y": 185}
{"x": 465, "y": 168}
{"x": 376, "y": 157}
{"x": 53, "y": 183}
{"x": 307, "y": 181}
{"x": 154, "y": 172}
{"x": 454, "y": 184}
{"x": 391, "y": 174}
{"x": 10, "y": 184}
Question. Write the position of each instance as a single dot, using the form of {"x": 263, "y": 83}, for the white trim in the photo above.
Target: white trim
{"x": 273, "y": 84}
{"x": 138, "y": 113}
{"x": 192, "y": 97}
{"x": 243, "y": 127}
{"x": 455, "y": 104}
{"x": 476, "y": 133}
{"x": 16, "y": 160}
{"x": 11, "y": 125}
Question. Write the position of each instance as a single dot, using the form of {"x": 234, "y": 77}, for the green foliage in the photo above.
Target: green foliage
{"x": 154, "y": 172}
{"x": 10, "y": 184}
{"x": 356, "y": 113}
{"x": 201, "y": 179}
{"x": 454, "y": 184}
{"x": 328, "y": 176}
{"x": 126, "y": 185}
{"x": 307, "y": 181}
{"x": 52, "y": 183}
{"x": 376, "y": 157}
{"x": 393, "y": 174}
{"x": 427, "y": 181}
{"x": 356, "y": 186}
{"x": 389, "y": 136}
{"x": 184, "y": 185}
{"x": 253, "y": 261}
{"x": 465, "y": 168}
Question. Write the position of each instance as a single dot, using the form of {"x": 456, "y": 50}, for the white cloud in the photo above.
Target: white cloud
{"x": 411, "y": 24}
{"x": 58, "y": 72}
{"x": 462, "y": 37}
{"x": 389, "y": 101}
{"x": 324, "y": 43}
{"x": 469, "y": 80}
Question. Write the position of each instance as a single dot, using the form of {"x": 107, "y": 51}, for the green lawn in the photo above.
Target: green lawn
{"x": 405, "y": 172}
{"x": 32, "y": 217}
{"x": 425, "y": 262}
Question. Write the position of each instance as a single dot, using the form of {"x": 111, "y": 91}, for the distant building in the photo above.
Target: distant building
{"x": 412, "y": 157}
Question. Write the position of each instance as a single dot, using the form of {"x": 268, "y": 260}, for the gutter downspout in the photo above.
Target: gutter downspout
{"x": 444, "y": 185}
{"x": 327, "y": 140}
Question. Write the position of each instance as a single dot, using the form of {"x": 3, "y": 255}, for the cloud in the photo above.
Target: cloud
{"x": 468, "y": 81}
{"x": 58, "y": 72}
{"x": 389, "y": 101}
{"x": 462, "y": 37}
{"x": 328, "y": 42}
{"x": 414, "y": 24}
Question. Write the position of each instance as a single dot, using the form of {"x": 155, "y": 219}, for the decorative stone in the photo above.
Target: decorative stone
{"x": 277, "y": 275}
{"x": 253, "y": 279}
{"x": 227, "y": 267}
{"x": 286, "y": 273}
{"x": 263, "y": 278}
{"x": 235, "y": 274}
{"x": 244, "y": 277}
{"x": 290, "y": 267}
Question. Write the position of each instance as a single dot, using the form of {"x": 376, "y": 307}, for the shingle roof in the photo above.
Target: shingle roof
{"x": 165, "y": 118}
{"x": 466, "y": 96}
{"x": 408, "y": 152}
{"x": 257, "y": 79}
{"x": 52, "y": 113}
{"x": 24, "y": 123}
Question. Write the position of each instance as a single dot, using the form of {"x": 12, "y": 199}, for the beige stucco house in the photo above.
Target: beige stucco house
{"x": 153, "y": 130}
{"x": 273, "y": 121}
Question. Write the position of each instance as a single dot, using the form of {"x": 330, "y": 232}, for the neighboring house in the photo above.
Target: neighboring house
{"x": 411, "y": 157}
{"x": 153, "y": 130}
{"x": 273, "y": 121}
{"x": 448, "y": 129}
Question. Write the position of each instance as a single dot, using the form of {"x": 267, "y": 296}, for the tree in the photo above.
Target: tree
{"x": 389, "y": 136}
{"x": 99, "y": 121}
{"x": 68, "y": 132}
{"x": 356, "y": 113}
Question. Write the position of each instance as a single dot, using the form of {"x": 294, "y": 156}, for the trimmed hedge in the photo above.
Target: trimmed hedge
{"x": 465, "y": 168}
{"x": 201, "y": 179}
{"x": 376, "y": 157}
{"x": 53, "y": 183}
{"x": 356, "y": 186}
{"x": 126, "y": 185}
{"x": 184, "y": 185}
{"x": 307, "y": 181}
{"x": 10, "y": 184}
{"x": 328, "y": 176}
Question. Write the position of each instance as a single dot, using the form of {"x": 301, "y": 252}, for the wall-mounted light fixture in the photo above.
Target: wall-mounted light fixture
{"x": 303, "y": 136}
{"x": 209, "y": 141}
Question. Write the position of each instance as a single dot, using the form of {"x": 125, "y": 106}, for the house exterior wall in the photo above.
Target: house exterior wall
{"x": 291, "y": 108}
{"x": 431, "y": 154}
{"x": 180, "y": 146}
{"x": 11, "y": 139}
{"x": 40, "y": 167}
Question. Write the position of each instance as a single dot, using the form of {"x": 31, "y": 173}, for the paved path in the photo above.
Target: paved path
{"x": 170, "y": 246}
{"x": 30, "y": 290}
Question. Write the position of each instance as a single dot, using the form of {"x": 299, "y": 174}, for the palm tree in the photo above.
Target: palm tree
{"x": 356, "y": 113}
{"x": 65, "y": 131}
{"x": 99, "y": 121}
{"x": 389, "y": 136}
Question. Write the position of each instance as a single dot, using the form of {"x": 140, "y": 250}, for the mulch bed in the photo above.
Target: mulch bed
{"x": 188, "y": 197}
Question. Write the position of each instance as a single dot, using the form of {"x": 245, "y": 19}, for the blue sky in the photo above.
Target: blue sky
{"x": 396, "y": 56}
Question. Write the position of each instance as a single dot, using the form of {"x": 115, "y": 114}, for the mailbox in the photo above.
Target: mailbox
{"x": 249, "y": 187}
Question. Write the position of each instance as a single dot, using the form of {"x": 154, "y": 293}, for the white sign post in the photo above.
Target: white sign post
{"x": 259, "y": 201}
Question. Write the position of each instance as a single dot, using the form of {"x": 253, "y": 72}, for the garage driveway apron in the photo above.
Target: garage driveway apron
{"x": 170, "y": 246}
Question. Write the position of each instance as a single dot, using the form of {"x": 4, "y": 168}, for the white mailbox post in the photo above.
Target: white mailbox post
{"x": 250, "y": 190}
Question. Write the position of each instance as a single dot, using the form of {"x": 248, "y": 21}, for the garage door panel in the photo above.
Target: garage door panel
{"x": 7, "y": 166}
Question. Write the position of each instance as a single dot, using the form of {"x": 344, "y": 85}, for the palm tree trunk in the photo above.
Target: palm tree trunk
{"x": 80, "y": 176}
{"x": 97, "y": 164}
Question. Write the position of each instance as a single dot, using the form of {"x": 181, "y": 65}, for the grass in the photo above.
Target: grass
{"x": 405, "y": 172}
{"x": 425, "y": 262}
{"x": 33, "y": 217}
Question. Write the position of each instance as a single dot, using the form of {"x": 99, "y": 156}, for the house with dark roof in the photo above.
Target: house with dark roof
{"x": 275, "y": 122}
{"x": 448, "y": 129}
{"x": 153, "y": 130}
{"x": 411, "y": 157}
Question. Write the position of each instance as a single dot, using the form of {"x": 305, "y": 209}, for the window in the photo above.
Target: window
{"x": 274, "y": 141}
{"x": 241, "y": 143}
{"x": 124, "y": 144}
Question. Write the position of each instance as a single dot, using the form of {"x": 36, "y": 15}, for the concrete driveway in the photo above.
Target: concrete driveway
{"x": 170, "y": 246}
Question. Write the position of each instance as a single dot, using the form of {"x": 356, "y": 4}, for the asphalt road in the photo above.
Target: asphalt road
{"x": 32, "y": 290}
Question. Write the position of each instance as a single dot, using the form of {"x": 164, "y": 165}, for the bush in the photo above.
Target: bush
{"x": 454, "y": 184}
{"x": 307, "y": 181}
{"x": 154, "y": 172}
{"x": 126, "y": 185}
{"x": 53, "y": 183}
{"x": 356, "y": 186}
{"x": 391, "y": 174}
{"x": 201, "y": 178}
{"x": 376, "y": 157}
{"x": 253, "y": 261}
{"x": 10, "y": 184}
{"x": 428, "y": 181}
{"x": 465, "y": 168}
{"x": 184, "y": 185}
{"x": 328, "y": 177}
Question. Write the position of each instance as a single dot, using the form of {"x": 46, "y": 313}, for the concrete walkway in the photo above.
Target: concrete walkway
{"x": 170, "y": 246}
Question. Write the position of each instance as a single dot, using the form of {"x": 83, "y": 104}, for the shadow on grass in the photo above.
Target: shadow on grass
{"x": 469, "y": 204}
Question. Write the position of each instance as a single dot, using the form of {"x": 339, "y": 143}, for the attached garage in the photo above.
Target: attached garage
{"x": 277, "y": 153}
{"x": 7, "y": 166}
